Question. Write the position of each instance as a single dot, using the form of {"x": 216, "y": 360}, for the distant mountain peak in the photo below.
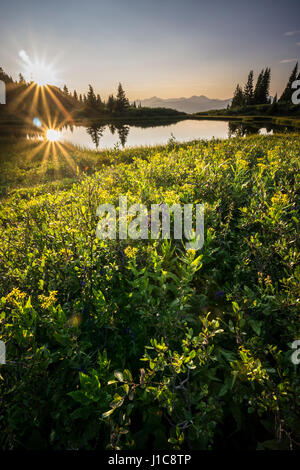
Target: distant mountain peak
{"x": 193, "y": 104}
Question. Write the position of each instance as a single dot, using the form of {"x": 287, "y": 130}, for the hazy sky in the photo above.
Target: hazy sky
{"x": 167, "y": 48}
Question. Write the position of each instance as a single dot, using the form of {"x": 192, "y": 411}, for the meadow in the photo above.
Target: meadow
{"x": 142, "y": 344}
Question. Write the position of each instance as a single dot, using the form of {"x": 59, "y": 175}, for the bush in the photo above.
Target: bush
{"x": 142, "y": 344}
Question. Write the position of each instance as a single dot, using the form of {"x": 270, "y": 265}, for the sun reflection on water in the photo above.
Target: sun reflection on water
{"x": 52, "y": 135}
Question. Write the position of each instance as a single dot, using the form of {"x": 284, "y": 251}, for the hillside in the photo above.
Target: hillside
{"x": 194, "y": 104}
{"x": 142, "y": 344}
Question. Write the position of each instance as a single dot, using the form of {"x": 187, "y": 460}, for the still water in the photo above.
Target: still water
{"x": 120, "y": 135}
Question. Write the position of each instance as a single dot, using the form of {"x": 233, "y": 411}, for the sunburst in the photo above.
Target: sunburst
{"x": 41, "y": 80}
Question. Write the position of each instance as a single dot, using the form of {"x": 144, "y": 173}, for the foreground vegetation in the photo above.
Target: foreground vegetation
{"x": 142, "y": 344}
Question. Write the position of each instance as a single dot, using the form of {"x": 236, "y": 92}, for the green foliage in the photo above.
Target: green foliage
{"x": 141, "y": 344}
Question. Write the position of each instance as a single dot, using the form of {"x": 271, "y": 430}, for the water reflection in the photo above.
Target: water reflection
{"x": 241, "y": 129}
{"x": 98, "y": 135}
{"x": 96, "y": 132}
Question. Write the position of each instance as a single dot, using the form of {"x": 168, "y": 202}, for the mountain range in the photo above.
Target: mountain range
{"x": 194, "y": 104}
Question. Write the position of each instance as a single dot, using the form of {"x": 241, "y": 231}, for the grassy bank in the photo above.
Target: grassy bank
{"x": 142, "y": 344}
{"x": 281, "y": 121}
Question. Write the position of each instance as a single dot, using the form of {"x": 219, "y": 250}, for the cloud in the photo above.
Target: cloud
{"x": 292, "y": 33}
{"x": 287, "y": 61}
{"x": 24, "y": 56}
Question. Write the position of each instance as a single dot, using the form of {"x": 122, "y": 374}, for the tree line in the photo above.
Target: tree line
{"x": 259, "y": 94}
{"x": 118, "y": 103}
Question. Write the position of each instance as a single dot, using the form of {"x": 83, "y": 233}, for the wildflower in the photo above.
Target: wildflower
{"x": 48, "y": 301}
{"x": 130, "y": 251}
{"x": 15, "y": 295}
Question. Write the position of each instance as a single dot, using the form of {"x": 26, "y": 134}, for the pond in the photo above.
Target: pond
{"x": 124, "y": 135}
{"x": 118, "y": 134}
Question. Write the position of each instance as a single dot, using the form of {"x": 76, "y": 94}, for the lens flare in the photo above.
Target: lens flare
{"x": 52, "y": 135}
{"x": 37, "y": 71}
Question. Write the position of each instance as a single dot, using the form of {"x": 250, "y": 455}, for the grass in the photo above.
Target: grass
{"x": 127, "y": 344}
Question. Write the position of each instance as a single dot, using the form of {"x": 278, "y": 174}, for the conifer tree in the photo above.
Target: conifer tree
{"x": 266, "y": 86}
{"x": 258, "y": 89}
{"x": 91, "y": 97}
{"x": 238, "y": 98}
{"x": 261, "y": 91}
{"x": 111, "y": 103}
{"x": 248, "y": 90}
{"x": 122, "y": 101}
{"x": 99, "y": 101}
{"x": 21, "y": 79}
{"x": 286, "y": 96}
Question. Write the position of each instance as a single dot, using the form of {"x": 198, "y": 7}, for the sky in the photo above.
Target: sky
{"x": 165, "y": 48}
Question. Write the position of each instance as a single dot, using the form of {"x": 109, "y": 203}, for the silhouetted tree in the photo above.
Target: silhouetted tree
{"x": 111, "y": 103}
{"x": 91, "y": 97}
{"x": 248, "y": 90}
{"x": 261, "y": 91}
{"x": 4, "y": 77}
{"x": 65, "y": 90}
{"x": 238, "y": 98}
{"x": 266, "y": 86}
{"x": 99, "y": 101}
{"x": 75, "y": 96}
{"x": 122, "y": 101}
{"x": 286, "y": 96}
{"x": 21, "y": 79}
{"x": 258, "y": 88}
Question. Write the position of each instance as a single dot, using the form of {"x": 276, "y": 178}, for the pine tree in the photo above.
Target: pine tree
{"x": 262, "y": 87}
{"x": 65, "y": 90}
{"x": 75, "y": 96}
{"x": 266, "y": 86}
{"x": 122, "y": 102}
{"x": 80, "y": 98}
{"x": 286, "y": 96}
{"x": 4, "y": 77}
{"x": 248, "y": 90}
{"x": 99, "y": 101}
{"x": 111, "y": 103}
{"x": 257, "y": 95}
{"x": 21, "y": 79}
{"x": 91, "y": 97}
{"x": 238, "y": 98}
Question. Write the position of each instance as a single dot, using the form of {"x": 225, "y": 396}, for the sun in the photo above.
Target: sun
{"x": 38, "y": 71}
{"x": 42, "y": 74}
{"x": 52, "y": 135}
